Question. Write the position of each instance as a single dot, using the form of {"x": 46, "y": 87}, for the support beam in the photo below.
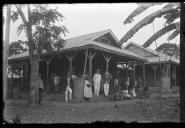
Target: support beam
{"x": 70, "y": 57}
{"x": 107, "y": 59}
{"x": 85, "y": 63}
{"x": 134, "y": 72}
{"x": 143, "y": 75}
{"x": 155, "y": 75}
{"x": 90, "y": 57}
{"x": 48, "y": 61}
{"x": 175, "y": 75}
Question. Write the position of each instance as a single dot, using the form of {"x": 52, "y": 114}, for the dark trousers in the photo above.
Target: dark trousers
{"x": 40, "y": 95}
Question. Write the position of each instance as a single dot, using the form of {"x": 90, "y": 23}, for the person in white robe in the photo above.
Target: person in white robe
{"x": 97, "y": 81}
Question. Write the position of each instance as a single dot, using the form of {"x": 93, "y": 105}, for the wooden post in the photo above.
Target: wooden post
{"x": 143, "y": 75}
{"x": 175, "y": 75}
{"x": 134, "y": 65}
{"x": 70, "y": 57}
{"x": 155, "y": 80}
{"x": 85, "y": 62}
{"x": 107, "y": 58}
{"x": 48, "y": 66}
{"x": 91, "y": 56}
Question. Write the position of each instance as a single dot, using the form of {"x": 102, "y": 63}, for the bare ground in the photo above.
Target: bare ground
{"x": 54, "y": 110}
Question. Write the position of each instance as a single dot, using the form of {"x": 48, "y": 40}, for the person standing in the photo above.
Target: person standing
{"x": 56, "y": 81}
{"x": 97, "y": 81}
{"x": 68, "y": 91}
{"x": 41, "y": 89}
{"x": 116, "y": 82}
{"x": 87, "y": 88}
{"x": 107, "y": 78}
{"x": 125, "y": 91}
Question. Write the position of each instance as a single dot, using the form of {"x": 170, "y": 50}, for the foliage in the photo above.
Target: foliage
{"x": 17, "y": 47}
{"x": 45, "y": 32}
{"x": 169, "y": 12}
{"x": 142, "y": 7}
{"x": 169, "y": 49}
{"x": 161, "y": 32}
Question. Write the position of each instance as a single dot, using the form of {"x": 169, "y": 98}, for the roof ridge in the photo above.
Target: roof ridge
{"x": 89, "y": 34}
{"x": 148, "y": 49}
{"x": 152, "y": 51}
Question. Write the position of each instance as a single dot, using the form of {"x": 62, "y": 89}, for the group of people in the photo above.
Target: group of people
{"x": 88, "y": 93}
{"x": 92, "y": 87}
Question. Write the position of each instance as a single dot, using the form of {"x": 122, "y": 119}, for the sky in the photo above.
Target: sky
{"x": 82, "y": 19}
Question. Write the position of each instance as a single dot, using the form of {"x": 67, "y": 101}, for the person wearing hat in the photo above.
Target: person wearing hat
{"x": 87, "y": 88}
{"x": 68, "y": 91}
{"x": 97, "y": 80}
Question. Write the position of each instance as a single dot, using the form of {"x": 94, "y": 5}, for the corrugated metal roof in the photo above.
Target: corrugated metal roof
{"x": 160, "y": 56}
{"x": 88, "y": 39}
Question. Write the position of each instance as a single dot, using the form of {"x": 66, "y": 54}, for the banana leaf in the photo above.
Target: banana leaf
{"x": 170, "y": 5}
{"x": 147, "y": 20}
{"x": 173, "y": 35}
{"x": 158, "y": 34}
{"x": 142, "y": 7}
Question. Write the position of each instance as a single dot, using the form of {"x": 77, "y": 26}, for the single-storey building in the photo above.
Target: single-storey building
{"x": 161, "y": 70}
{"x": 82, "y": 55}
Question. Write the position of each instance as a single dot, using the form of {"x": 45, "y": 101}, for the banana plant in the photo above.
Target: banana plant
{"x": 170, "y": 12}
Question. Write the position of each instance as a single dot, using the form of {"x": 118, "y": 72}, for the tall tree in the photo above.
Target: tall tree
{"x": 5, "y": 51}
{"x": 170, "y": 12}
{"x": 41, "y": 32}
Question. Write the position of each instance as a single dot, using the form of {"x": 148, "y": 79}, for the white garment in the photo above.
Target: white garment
{"x": 133, "y": 93}
{"x": 125, "y": 93}
{"x": 106, "y": 89}
{"x": 97, "y": 80}
{"x": 87, "y": 90}
{"x": 56, "y": 80}
{"x": 68, "y": 94}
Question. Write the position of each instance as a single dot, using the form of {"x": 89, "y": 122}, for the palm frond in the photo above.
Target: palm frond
{"x": 20, "y": 28}
{"x": 142, "y": 7}
{"x": 158, "y": 34}
{"x": 136, "y": 12}
{"x": 171, "y": 17}
{"x": 147, "y": 20}
{"x": 173, "y": 35}
{"x": 171, "y": 5}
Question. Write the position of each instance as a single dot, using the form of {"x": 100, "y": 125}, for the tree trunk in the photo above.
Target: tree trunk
{"x": 6, "y": 51}
{"x": 34, "y": 61}
{"x": 34, "y": 86}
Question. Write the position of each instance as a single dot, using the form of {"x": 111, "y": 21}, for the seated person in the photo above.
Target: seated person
{"x": 87, "y": 89}
{"x": 132, "y": 88}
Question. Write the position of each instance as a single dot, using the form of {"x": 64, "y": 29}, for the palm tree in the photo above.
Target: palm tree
{"x": 170, "y": 12}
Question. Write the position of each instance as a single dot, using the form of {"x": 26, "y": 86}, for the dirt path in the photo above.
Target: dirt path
{"x": 151, "y": 110}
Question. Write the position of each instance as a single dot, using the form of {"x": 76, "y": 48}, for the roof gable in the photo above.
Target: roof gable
{"x": 136, "y": 48}
{"x": 105, "y": 36}
{"x": 152, "y": 56}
